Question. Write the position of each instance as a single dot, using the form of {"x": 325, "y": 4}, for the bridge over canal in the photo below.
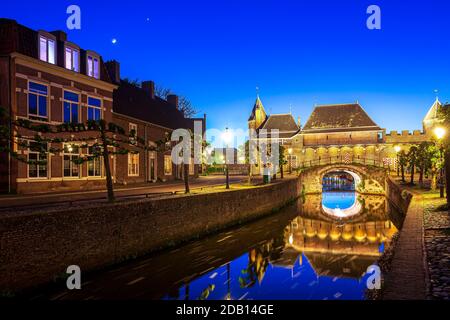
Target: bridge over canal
{"x": 369, "y": 175}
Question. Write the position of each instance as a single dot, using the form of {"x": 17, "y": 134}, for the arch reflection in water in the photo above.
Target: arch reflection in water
{"x": 341, "y": 204}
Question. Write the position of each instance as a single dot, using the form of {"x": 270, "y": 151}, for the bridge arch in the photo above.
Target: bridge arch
{"x": 368, "y": 180}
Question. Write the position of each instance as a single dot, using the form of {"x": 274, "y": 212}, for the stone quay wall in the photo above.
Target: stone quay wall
{"x": 400, "y": 198}
{"x": 36, "y": 248}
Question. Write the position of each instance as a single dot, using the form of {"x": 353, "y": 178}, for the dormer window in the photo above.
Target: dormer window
{"x": 47, "y": 48}
{"x": 93, "y": 66}
{"x": 72, "y": 58}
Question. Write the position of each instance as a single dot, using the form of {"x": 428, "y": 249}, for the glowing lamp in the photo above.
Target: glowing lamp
{"x": 439, "y": 133}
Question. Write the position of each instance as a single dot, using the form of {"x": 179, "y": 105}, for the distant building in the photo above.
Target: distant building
{"x": 219, "y": 156}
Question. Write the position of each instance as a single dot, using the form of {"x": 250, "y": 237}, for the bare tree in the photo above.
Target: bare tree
{"x": 184, "y": 103}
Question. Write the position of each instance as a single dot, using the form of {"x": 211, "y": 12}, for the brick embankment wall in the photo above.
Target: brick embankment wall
{"x": 399, "y": 197}
{"x": 37, "y": 247}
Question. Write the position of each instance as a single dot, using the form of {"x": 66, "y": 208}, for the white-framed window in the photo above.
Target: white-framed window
{"x": 94, "y": 165}
{"x": 71, "y": 169}
{"x": 168, "y": 165}
{"x": 133, "y": 130}
{"x": 47, "y": 48}
{"x": 72, "y": 58}
{"x": 94, "y": 109}
{"x": 133, "y": 164}
{"x": 71, "y": 107}
{"x": 37, "y": 161}
{"x": 37, "y": 100}
{"x": 93, "y": 66}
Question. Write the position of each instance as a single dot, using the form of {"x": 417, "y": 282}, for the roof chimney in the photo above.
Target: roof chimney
{"x": 149, "y": 87}
{"x": 113, "y": 68}
{"x": 173, "y": 99}
{"x": 60, "y": 35}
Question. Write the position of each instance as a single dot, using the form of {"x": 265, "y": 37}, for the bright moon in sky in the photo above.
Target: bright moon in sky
{"x": 114, "y": 41}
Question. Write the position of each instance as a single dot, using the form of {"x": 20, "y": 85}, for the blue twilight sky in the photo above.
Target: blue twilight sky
{"x": 299, "y": 53}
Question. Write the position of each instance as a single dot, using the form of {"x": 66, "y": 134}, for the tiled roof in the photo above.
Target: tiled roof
{"x": 135, "y": 102}
{"x": 340, "y": 117}
{"x": 282, "y": 122}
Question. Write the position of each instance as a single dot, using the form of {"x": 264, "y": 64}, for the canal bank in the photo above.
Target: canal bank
{"x": 37, "y": 247}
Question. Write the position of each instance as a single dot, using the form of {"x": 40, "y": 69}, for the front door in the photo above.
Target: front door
{"x": 152, "y": 167}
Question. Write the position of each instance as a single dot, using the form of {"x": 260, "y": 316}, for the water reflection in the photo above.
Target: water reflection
{"x": 301, "y": 253}
{"x": 314, "y": 258}
{"x": 341, "y": 204}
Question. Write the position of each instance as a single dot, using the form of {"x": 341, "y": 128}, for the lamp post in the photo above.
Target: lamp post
{"x": 290, "y": 160}
{"x": 226, "y": 138}
{"x": 440, "y": 134}
{"x": 397, "y": 151}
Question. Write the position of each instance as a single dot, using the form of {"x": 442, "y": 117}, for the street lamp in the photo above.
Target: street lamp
{"x": 226, "y": 137}
{"x": 290, "y": 160}
{"x": 397, "y": 151}
{"x": 440, "y": 134}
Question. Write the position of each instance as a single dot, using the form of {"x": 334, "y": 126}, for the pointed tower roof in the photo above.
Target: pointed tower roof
{"x": 258, "y": 106}
{"x": 433, "y": 112}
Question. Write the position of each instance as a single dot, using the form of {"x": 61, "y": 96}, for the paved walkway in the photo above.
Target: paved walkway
{"x": 406, "y": 279}
{"x": 49, "y": 199}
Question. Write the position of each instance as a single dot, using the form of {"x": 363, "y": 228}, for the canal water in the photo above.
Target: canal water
{"x": 319, "y": 248}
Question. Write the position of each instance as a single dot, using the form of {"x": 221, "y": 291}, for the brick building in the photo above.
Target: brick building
{"x": 49, "y": 80}
{"x": 138, "y": 108}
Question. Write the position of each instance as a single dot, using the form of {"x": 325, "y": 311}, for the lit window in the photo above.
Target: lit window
{"x": 94, "y": 109}
{"x": 167, "y": 165}
{"x": 133, "y": 164}
{"x": 133, "y": 129}
{"x": 47, "y": 49}
{"x": 71, "y": 156}
{"x": 93, "y": 66}
{"x": 71, "y": 107}
{"x": 72, "y": 59}
{"x": 37, "y": 100}
{"x": 37, "y": 160}
{"x": 95, "y": 164}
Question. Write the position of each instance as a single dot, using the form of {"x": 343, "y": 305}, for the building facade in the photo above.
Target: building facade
{"x": 139, "y": 109}
{"x": 47, "y": 80}
{"x": 337, "y": 134}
